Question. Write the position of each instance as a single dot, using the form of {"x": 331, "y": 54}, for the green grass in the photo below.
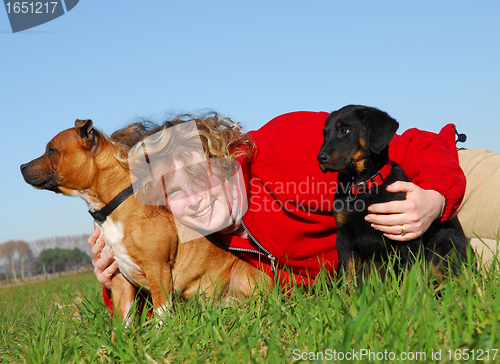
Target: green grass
{"x": 65, "y": 321}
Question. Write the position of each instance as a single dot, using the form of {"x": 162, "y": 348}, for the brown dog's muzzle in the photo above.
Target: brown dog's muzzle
{"x": 39, "y": 177}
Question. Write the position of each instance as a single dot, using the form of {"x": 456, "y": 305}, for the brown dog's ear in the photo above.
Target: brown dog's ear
{"x": 381, "y": 128}
{"x": 85, "y": 130}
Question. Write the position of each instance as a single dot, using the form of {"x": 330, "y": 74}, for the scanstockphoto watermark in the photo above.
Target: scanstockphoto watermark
{"x": 333, "y": 355}
{"x": 308, "y": 195}
{"x": 357, "y": 355}
{"x": 321, "y": 203}
{"x": 29, "y": 14}
{"x": 309, "y": 186}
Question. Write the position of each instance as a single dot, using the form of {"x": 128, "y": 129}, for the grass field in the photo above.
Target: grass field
{"x": 412, "y": 319}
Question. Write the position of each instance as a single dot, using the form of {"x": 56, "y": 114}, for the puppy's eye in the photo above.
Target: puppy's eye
{"x": 343, "y": 131}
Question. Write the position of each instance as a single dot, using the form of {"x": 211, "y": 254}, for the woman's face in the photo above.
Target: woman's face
{"x": 203, "y": 208}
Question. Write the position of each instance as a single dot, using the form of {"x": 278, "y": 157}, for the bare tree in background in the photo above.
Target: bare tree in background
{"x": 62, "y": 242}
{"x": 19, "y": 249}
{"x": 8, "y": 251}
{"x": 25, "y": 256}
{"x": 20, "y": 256}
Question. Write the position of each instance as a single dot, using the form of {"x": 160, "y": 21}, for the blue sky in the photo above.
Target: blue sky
{"x": 427, "y": 63}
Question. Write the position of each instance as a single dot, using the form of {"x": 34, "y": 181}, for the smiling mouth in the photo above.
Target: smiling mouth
{"x": 204, "y": 211}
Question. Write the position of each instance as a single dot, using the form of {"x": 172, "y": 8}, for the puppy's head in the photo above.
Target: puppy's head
{"x": 351, "y": 135}
{"x": 66, "y": 164}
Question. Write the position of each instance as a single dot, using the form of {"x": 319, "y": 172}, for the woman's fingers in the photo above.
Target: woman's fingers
{"x": 105, "y": 266}
{"x": 407, "y": 219}
{"x": 402, "y": 232}
{"x": 104, "y": 277}
{"x": 96, "y": 244}
{"x": 104, "y": 261}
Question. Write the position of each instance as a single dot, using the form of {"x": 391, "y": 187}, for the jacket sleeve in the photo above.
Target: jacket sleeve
{"x": 431, "y": 162}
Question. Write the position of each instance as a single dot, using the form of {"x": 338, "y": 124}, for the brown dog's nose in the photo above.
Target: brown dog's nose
{"x": 25, "y": 168}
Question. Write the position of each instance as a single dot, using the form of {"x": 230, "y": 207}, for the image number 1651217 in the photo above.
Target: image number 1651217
{"x": 31, "y": 7}
{"x": 28, "y": 14}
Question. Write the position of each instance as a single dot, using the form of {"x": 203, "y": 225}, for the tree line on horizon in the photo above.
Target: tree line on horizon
{"x": 20, "y": 259}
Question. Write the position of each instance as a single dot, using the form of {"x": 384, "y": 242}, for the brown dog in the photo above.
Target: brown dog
{"x": 82, "y": 162}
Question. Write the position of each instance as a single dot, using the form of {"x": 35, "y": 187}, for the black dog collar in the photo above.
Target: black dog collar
{"x": 102, "y": 214}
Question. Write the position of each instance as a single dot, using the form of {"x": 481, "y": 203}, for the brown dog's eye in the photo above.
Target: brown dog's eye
{"x": 50, "y": 151}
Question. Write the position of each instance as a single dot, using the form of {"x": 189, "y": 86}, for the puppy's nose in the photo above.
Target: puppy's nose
{"x": 323, "y": 157}
{"x": 23, "y": 166}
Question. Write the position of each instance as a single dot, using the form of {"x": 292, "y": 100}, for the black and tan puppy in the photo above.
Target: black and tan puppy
{"x": 355, "y": 144}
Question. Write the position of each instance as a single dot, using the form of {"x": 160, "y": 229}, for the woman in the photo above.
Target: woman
{"x": 289, "y": 220}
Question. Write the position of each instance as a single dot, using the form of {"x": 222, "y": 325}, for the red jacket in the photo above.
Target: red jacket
{"x": 290, "y": 201}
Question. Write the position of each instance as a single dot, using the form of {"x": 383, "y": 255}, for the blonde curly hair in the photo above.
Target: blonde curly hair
{"x": 222, "y": 139}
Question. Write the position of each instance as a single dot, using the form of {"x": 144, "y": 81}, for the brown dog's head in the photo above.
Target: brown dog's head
{"x": 67, "y": 163}
{"x": 351, "y": 135}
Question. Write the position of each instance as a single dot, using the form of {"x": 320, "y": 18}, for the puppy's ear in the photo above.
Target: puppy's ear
{"x": 381, "y": 128}
{"x": 90, "y": 136}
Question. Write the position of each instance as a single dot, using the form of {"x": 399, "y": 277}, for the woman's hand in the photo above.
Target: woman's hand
{"x": 408, "y": 219}
{"x": 104, "y": 266}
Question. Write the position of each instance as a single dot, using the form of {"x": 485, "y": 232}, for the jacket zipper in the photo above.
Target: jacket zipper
{"x": 263, "y": 251}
